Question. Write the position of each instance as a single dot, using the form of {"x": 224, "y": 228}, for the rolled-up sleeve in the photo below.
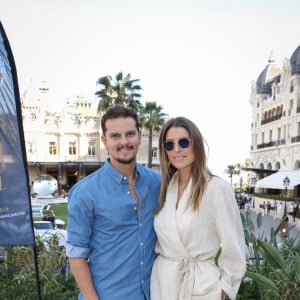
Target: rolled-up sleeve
{"x": 79, "y": 224}
{"x": 77, "y": 252}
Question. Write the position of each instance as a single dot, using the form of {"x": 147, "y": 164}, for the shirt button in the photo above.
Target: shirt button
{"x": 142, "y": 262}
{"x": 141, "y": 224}
{"x": 128, "y": 192}
{"x": 135, "y": 208}
{"x": 142, "y": 281}
{"x": 142, "y": 243}
{"x": 124, "y": 177}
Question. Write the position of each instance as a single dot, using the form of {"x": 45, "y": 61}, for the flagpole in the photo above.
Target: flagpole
{"x": 10, "y": 58}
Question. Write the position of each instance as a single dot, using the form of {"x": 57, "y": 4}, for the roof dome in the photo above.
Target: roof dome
{"x": 270, "y": 73}
{"x": 295, "y": 61}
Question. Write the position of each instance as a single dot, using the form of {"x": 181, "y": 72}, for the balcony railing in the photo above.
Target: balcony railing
{"x": 280, "y": 142}
{"x": 271, "y": 144}
{"x": 295, "y": 139}
{"x": 272, "y": 119}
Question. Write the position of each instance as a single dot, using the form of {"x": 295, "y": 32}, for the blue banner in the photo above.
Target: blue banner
{"x": 15, "y": 206}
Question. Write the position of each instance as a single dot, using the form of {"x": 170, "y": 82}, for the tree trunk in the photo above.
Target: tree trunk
{"x": 150, "y": 148}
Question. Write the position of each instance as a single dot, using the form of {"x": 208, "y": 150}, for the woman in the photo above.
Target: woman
{"x": 197, "y": 218}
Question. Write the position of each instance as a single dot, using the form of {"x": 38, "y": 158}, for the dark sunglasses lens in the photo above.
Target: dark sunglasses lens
{"x": 184, "y": 143}
{"x": 168, "y": 145}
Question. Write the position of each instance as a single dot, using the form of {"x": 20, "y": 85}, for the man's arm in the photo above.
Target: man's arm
{"x": 83, "y": 277}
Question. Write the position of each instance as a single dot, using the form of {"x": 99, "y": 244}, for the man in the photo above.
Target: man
{"x": 61, "y": 232}
{"x": 295, "y": 211}
{"x": 110, "y": 224}
{"x": 275, "y": 207}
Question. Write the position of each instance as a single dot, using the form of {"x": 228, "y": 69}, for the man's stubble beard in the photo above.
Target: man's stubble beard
{"x": 125, "y": 161}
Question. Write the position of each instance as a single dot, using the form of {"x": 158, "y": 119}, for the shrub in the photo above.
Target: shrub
{"x": 273, "y": 269}
{"x": 18, "y": 278}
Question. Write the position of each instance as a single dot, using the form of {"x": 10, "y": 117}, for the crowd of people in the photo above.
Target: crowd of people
{"x": 243, "y": 200}
{"x": 275, "y": 207}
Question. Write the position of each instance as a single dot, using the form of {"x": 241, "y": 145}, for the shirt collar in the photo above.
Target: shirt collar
{"x": 118, "y": 176}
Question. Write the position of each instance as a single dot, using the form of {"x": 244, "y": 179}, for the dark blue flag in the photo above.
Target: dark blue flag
{"x": 15, "y": 206}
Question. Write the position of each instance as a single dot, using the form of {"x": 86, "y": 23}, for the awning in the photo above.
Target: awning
{"x": 275, "y": 181}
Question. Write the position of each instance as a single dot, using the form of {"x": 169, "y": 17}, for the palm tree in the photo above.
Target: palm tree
{"x": 106, "y": 94}
{"x": 122, "y": 90}
{"x": 152, "y": 118}
{"x": 232, "y": 170}
{"x": 127, "y": 91}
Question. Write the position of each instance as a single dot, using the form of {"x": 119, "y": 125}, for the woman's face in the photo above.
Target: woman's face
{"x": 181, "y": 157}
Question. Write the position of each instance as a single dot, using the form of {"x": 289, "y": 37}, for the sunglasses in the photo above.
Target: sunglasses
{"x": 183, "y": 143}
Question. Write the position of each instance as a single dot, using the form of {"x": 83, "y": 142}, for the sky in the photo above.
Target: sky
{"x": 194, "y": 58}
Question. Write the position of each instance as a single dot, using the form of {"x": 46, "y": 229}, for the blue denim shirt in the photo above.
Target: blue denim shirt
{"x": 106, "y": 226}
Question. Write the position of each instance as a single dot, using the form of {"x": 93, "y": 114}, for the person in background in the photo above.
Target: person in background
{"x": 201, "y": 246}
{"x": 291, "y": 209}
{"x": 49, "y": 216}
{"x": 61, "y": 232}
{"x": 295, "y": 211}
{"x": 111, "y": 238}
{"x": 268, "y": 207}
{"x": 247, "y": 207}
{"x": 275, "y": 207}
{"x": 284, "y": 232}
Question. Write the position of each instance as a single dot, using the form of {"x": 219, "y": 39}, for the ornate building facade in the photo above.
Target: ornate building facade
{"x": 65, "y": 140}
{"x": 275, "y": 128}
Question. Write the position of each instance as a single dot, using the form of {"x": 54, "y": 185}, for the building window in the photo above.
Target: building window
{"x": 278, "y": 89}
{"x": 31, "y": 147}
{"x": 270, "y": 136}
{"x": 274, "y": 92}
{"x": 52, "y": 148}
{"x": 72, "y": 148}
{"x": 292, "y": 86}
{"x": 32, "y": 117}
{"x": 278, "y": 134}
{"x": 92, "y": 148}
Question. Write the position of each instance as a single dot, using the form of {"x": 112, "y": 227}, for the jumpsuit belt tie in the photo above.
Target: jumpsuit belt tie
{"x": 185, "y": 276}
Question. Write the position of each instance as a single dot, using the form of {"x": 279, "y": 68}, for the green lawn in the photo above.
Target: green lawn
{"x": 60, "y": 211}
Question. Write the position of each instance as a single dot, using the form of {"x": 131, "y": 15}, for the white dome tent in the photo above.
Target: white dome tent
{"x": 275, "y": 181}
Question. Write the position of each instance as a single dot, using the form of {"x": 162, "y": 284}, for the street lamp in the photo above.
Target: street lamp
{"x": 253, "y": 198}
{"x": 286, "y": 183}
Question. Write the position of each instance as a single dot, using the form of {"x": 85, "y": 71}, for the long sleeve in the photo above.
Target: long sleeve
{"x": 229, "y": 227}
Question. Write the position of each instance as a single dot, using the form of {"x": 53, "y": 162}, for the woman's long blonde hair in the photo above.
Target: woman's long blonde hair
{"x": 200, "y": 173}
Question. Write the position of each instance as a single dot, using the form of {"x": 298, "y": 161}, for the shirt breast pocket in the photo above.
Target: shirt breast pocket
{"x": 111, "y": 223}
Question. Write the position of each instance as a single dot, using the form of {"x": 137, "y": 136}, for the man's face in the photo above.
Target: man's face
{"x": 122, "y": 140}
